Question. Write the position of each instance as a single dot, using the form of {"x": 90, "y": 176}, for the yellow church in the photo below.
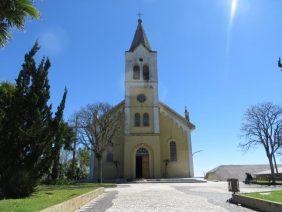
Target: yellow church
{"x": 155, "y": 141}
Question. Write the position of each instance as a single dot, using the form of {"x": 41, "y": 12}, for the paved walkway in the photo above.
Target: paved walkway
{"x": 192, "y": 197}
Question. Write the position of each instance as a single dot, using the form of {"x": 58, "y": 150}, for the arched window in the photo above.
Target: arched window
{"x": 136, "y": 72}
{"x": 110, "y": 157}
{"x": 137, "y": 120}
{"x": 142, "y": 151}
{"x": 146, "y": 120}
{"x": 173, "y": 153}
{"x": 146, "y": 72}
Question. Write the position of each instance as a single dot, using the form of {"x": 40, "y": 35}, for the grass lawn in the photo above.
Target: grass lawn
{"x": 46, "y": 196}
{"x": 267, "y": 183}
{"x": 275, "y": 196}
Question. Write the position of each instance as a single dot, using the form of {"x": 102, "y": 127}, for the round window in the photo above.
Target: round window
{"x": 141, "y": 98}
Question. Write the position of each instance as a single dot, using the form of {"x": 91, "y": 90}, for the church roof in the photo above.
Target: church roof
{"x": 223, "y": 172}
{"x": 140, "y": 38}
{"x": 180, "y": 118}
{"x": 168, "y": 109}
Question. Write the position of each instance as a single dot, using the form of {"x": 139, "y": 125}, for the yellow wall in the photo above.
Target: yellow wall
{"x": 134, "y": 92}
{"x": 142, "y": 129}
{"x": 170, "y": 131}
{"x": 137, "y": 107}
{"x": 125, "y": 147}
{"x": 132, "y": 144}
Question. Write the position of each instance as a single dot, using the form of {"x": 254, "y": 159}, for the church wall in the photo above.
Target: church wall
{"x": 141, "y": 56}
{"x": 151, "y": 143}
{"x": 137, "y": 107}
{"x": 170, "y": 131}
{"x": 145, "y": 89}
{"x": 149, "y": 58}
{"x": 142, "y": 129}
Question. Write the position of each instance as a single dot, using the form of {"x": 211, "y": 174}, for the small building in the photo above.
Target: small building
{"x": 222, "y": 173}
{"x": 266, "y": 175}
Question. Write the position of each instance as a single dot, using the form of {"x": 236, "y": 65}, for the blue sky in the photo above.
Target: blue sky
{"x": 214, "y": 66}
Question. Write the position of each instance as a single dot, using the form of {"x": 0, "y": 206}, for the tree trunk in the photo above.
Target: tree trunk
{"x": 74, "y": 150}
{"x": 73, "y": 158}
{"x": 55, "y": 168}
{"x": 100, "y": 180}
{"x": 271, "y": 168}
{"x": 276, "y": 168}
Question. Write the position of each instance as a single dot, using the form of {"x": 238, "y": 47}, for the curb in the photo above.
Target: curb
{"x": 75, "y": 203}
{"x": 257, "y": 204}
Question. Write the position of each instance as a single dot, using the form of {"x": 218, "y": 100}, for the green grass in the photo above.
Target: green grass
{"x": 274, "y": 196}
{"x": 260, "y": 182}
{"x": 46, "y": 196}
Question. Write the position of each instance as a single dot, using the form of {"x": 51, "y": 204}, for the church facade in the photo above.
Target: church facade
{"x": 154, "y": 140}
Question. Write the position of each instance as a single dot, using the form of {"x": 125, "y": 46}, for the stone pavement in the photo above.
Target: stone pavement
{"x": 194, "y": 197}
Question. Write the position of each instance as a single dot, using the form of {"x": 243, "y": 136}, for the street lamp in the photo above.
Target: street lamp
{"x": 197, "y": 152}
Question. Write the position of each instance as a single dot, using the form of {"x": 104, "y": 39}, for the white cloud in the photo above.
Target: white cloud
{"x": 53, "y": 41}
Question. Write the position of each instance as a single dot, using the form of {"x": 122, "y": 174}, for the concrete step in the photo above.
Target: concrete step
{"x": 170, "y": 180}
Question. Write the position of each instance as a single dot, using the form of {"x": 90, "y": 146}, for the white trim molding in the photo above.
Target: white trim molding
{"x": 190, "y": 155}
{"x": 156, "y": 120}
{"x": 175, "y": 120}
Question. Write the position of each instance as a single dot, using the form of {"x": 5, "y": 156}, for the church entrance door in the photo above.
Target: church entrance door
{"x": 142, "y": 163}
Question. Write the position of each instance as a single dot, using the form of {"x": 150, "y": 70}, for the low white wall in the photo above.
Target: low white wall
{"x": 75, "y": 203}
{"x": 257, "y": 204}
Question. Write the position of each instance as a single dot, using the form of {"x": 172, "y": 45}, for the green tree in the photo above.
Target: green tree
{"x": 28, "y": 130}
{"x": 13, "y": 14}
{"x": 64, "y": 138}
{"x": 7, "y": 91}
{"x": 73, "y": 122}
{"x": 84, "y": 160}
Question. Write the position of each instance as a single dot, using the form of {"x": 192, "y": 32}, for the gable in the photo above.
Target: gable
{"x": 178, "y": 119}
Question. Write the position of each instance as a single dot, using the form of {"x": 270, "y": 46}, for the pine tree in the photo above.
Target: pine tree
{"x": 29, "y": 133}
{"x": 64, "y": 138}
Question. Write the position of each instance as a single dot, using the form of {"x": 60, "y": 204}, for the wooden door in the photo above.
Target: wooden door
{"x": 145, "y": 166}
{"x": 139, "y": 167}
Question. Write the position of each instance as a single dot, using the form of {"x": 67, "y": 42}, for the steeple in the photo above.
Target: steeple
{"x": 140, "y": 38}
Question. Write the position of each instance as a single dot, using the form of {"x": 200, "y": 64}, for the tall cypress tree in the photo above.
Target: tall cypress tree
{"x": 29, "y": 131}
{"x": 63, "y": 139}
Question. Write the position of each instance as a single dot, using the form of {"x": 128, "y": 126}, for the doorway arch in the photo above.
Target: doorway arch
{"x": 142, "y": 168}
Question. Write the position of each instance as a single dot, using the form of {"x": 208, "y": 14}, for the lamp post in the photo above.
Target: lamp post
{"x": 197, "y": 152}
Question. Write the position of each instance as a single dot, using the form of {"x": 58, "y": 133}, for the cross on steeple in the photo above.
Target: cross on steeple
{"x": 140, "y": 36}
{"x": 140, "y": 15}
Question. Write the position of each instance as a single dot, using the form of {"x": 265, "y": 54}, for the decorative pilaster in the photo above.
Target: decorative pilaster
{"x": 190, "y": 155}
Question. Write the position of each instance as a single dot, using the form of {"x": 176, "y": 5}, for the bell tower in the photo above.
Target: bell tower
{"x": 141, "y": 86}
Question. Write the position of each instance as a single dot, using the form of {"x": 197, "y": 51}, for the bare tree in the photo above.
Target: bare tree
{"x": 262, "y": 126}
{"x": 98, "y": 126}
